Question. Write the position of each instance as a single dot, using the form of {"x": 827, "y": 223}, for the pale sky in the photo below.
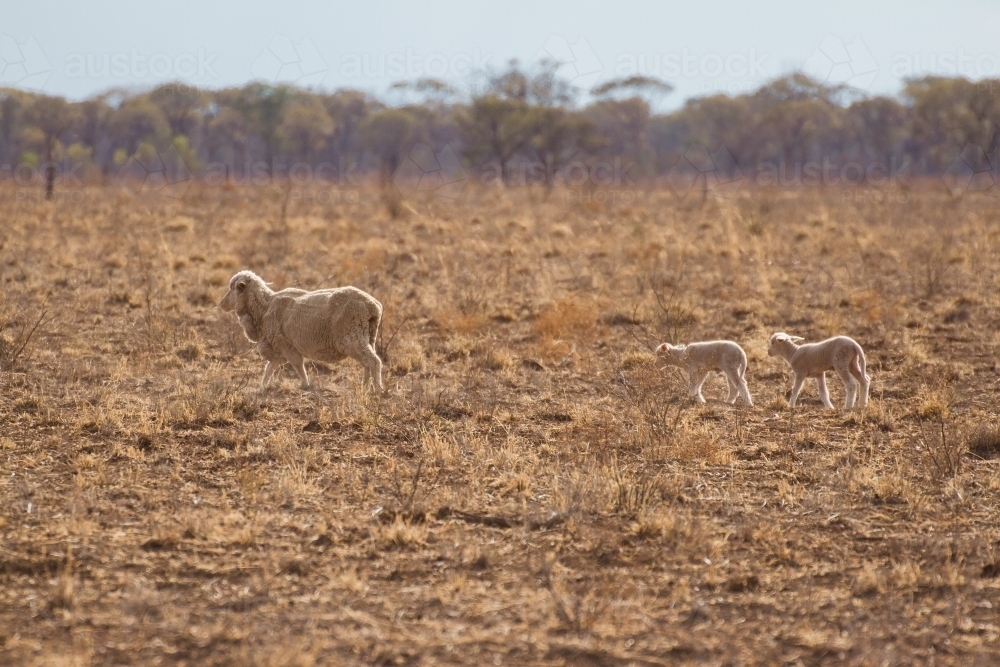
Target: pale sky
{"x": 78, "y": 49}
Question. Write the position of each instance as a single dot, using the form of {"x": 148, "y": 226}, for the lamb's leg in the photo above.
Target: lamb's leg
{"x": 824, "y": 394}
{"x": 734, "y": 389}
{"x": 850, "y": 387}
{"x": 863, "y": 379}
{"x": 745, "y": 391}
{"x": 697, "y": 380}
{"x": 269, "y": 369}
{"x": 796, "y": 388}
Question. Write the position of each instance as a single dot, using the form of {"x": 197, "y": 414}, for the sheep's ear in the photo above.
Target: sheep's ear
{"x": 796, "y": 339}
{"x": 241, "y": 285}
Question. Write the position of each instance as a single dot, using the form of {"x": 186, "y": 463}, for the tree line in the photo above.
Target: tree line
{"x": 519, "y": 125}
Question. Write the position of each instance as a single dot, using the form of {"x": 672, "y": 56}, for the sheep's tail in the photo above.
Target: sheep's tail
{"x": 862, "y": 361}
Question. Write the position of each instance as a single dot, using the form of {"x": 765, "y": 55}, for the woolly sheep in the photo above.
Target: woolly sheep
{"x": 840, "y": 354}
{"x": 293, "y": 325}
{"x": 699, "y": 359}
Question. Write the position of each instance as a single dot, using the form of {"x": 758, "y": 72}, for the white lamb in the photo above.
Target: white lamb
{"x": 840, "y": 354}
{"x": 700, "y": 359}
{"x": 293, "y": 325}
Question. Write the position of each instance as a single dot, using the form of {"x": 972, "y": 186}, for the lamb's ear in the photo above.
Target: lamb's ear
{"x": 796, "y": 339}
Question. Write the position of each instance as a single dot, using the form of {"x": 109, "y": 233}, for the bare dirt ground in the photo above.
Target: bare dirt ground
{"x": 533, "y": 488}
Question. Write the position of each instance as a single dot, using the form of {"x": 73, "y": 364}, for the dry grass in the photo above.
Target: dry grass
{"x": 533, "y": 488}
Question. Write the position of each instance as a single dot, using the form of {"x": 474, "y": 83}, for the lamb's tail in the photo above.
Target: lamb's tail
{"x": 374, "y": 322}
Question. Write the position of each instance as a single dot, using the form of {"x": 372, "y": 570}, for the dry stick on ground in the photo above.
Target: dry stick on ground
{"x": 493, "y": 521}
{"x": 945, "y": 455}
{"x": 25, "y": 339}
{"x": 572, "y": 621}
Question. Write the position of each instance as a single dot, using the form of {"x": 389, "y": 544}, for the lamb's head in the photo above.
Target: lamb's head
{"x": 674, "y": 354}
{"x": 782, "y": 345}
{"x": 239, "y": 285}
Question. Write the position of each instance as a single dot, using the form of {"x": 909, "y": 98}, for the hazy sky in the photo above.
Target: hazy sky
{"x": 78, "y": 49}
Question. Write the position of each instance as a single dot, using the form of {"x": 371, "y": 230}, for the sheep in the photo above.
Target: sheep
{"x": 292, "y": 325}
{"x": 699, "y": 359}
{"x": 812, "y": 360}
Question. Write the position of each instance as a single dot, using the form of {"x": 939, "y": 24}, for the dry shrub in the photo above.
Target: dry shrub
{"x": 629, "y": 492}
{"x": 984, "y": 441}
{"x": 408, "y": 356}
{"x": 493, "y": 358}
{"x": 401, "y": 534}
{"x": 571, "y": 318}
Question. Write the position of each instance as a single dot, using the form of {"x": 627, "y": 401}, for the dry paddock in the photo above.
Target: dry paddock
{"x": 533, "y": 488}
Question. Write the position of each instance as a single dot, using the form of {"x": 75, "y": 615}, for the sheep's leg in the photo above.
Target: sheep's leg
{"x": 796, "y": 388}
{"x": 824, "y": 393}
{"x": 863, "y": 379}
{"x": 697, "y": 380}
{"x": 368, "y": 358}
{"x": 298, "y": 362}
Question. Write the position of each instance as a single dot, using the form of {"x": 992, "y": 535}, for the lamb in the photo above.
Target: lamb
{"x": 840, "y": 354}
{"x": 699, "y": 359}
{"x": 292, "y": 325}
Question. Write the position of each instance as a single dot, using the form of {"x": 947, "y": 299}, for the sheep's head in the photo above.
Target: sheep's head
{"x": 782, "y": 345}
{"x": 238, "y": 285}
{"x": 674, "y": 354}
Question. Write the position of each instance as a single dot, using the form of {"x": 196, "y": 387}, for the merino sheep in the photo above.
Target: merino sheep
{"x": 293, "y": 325}
{"x": 840, "y": 354}
{"x": 699, "y": 359}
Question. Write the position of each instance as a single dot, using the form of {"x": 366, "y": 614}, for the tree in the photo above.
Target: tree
{"x": 263, "y": 107}
{"x": 52, "y": 117}
{"x": 181, "y": 105}
{"x": 227, "y": 131}
{"x": 306, "y": 127}
{"x": 631, "y": 86}
{"x": 497, "y": 128}
{"x": 137, "y": 121}
{"x": 348, "y": 108}
{"x": 562, "y": 135}
{"x": 12, "y": 104}
{"x": 623, "y": 124}
{"x": 950, "y": 114}
{"x": 878, "y": 128}
{"x": 390, "y": 134}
